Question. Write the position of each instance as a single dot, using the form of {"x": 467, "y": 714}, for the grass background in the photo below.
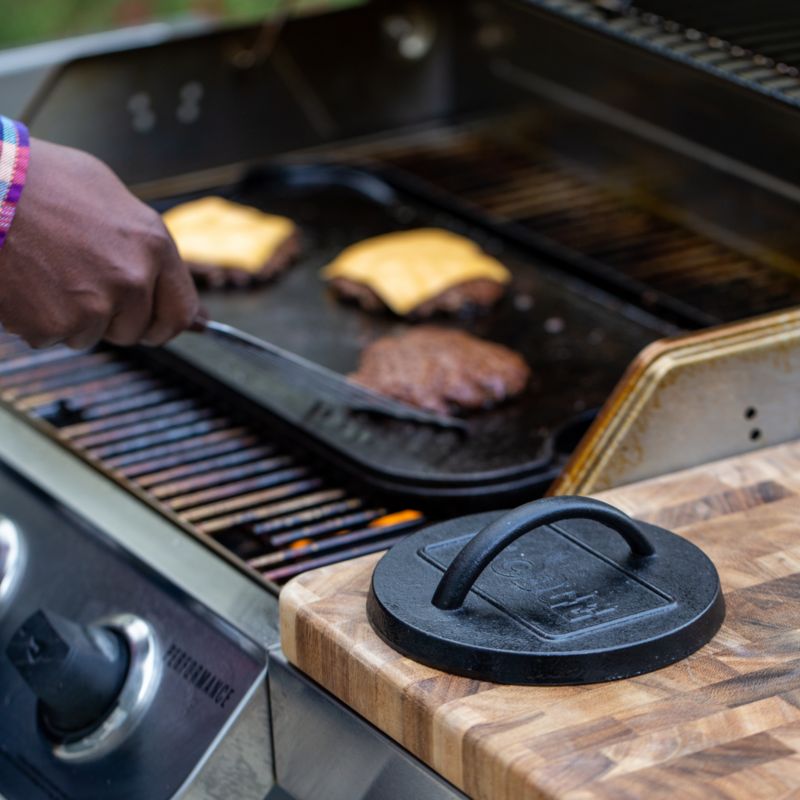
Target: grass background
{"x": 27, "y": 21}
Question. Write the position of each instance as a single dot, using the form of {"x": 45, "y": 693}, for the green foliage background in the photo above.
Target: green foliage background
{"x": 26, "y": 21}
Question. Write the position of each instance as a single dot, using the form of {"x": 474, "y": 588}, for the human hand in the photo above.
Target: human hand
{"x": 85, "y": 260}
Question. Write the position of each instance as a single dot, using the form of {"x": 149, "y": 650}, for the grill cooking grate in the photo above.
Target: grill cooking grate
{"x": 756, "y": 43}
{"x": 768, "y": 28}
{"x": 702, "y": 278}
{"x": 196, "y": 457}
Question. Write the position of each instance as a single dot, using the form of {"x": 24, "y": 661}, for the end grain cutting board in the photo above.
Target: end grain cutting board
{"x": 725, "y": 723}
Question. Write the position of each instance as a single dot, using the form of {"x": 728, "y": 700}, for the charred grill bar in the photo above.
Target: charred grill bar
{"x": 535, "y": 195}
{"x": 195, "y": 458}
{"x": 634, "y": 163}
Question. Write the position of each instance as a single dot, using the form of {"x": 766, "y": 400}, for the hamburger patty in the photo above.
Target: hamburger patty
{"x": 475, "y": 295}
{"x": 216, "y": 276}
{"x": 442, "y": 370}
{"x": 417, "y": 273}
{"x": 230, "y": 244}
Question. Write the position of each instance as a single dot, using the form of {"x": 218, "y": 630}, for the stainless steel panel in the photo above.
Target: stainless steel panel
{"x": 323, "y": 751}
{"x": 143, "y": 532}
{"x": 240, "y": 765}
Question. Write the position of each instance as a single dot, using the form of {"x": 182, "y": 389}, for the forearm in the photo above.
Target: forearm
{"x": 14, "y": 157}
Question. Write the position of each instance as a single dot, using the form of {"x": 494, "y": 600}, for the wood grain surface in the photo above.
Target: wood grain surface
{"x": 724, "y": 723}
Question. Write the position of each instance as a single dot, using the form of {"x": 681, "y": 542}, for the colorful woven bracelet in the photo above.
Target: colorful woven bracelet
{"x": 14, "y": 156}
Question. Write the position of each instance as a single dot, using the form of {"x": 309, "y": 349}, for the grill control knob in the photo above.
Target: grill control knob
{"x": 11, "y": 552}
{"x": 76, "y": 671}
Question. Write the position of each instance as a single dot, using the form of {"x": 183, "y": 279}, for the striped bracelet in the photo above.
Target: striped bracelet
{"x": 14, "y": 157}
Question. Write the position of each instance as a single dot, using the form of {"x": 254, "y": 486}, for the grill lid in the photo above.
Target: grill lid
{"x": 527, "y": 597}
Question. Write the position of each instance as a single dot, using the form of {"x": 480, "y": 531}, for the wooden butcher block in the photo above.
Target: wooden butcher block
{"x": 725, "y": 723}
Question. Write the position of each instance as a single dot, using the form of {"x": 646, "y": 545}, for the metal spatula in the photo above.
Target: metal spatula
{"x": 324, "y": 382}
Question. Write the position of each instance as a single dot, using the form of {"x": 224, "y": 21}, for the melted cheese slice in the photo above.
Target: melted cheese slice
{"x": 408, "y": 268}
{"x": 225, "y": 234}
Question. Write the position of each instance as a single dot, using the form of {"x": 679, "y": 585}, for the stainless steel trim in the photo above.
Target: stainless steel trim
{"x": 239, "y": 762}
{"x": 62, "y": 51}
{"x": 144, "y": 533}
{"x": 12, "y": 557}
{"x": 134, "y": 699}
{"x": 26, "y": 71}
{"x": 323, "y": 751}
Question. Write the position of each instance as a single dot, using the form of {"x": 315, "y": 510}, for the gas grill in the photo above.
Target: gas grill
{"x": 629, "y": 162}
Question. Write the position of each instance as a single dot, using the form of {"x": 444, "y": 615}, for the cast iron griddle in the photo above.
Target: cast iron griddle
{"x": 577, "y": 340}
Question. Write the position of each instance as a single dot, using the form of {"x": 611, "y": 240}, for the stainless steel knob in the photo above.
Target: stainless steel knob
{"x": 93, "y": 683}
{"x": 76, "y": 671}
{"x": 141, "y": 682}
{"x": 12, "y": 552}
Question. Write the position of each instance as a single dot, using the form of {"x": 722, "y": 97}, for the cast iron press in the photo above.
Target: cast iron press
{"x": 564, "y": 590}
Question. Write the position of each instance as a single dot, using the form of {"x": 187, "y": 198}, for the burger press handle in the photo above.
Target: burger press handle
{"x": 326, "y": 383}
{"x": 482, "y": 549}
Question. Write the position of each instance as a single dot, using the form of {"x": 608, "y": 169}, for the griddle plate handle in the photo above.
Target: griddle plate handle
{"x": 481, "y": 550}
